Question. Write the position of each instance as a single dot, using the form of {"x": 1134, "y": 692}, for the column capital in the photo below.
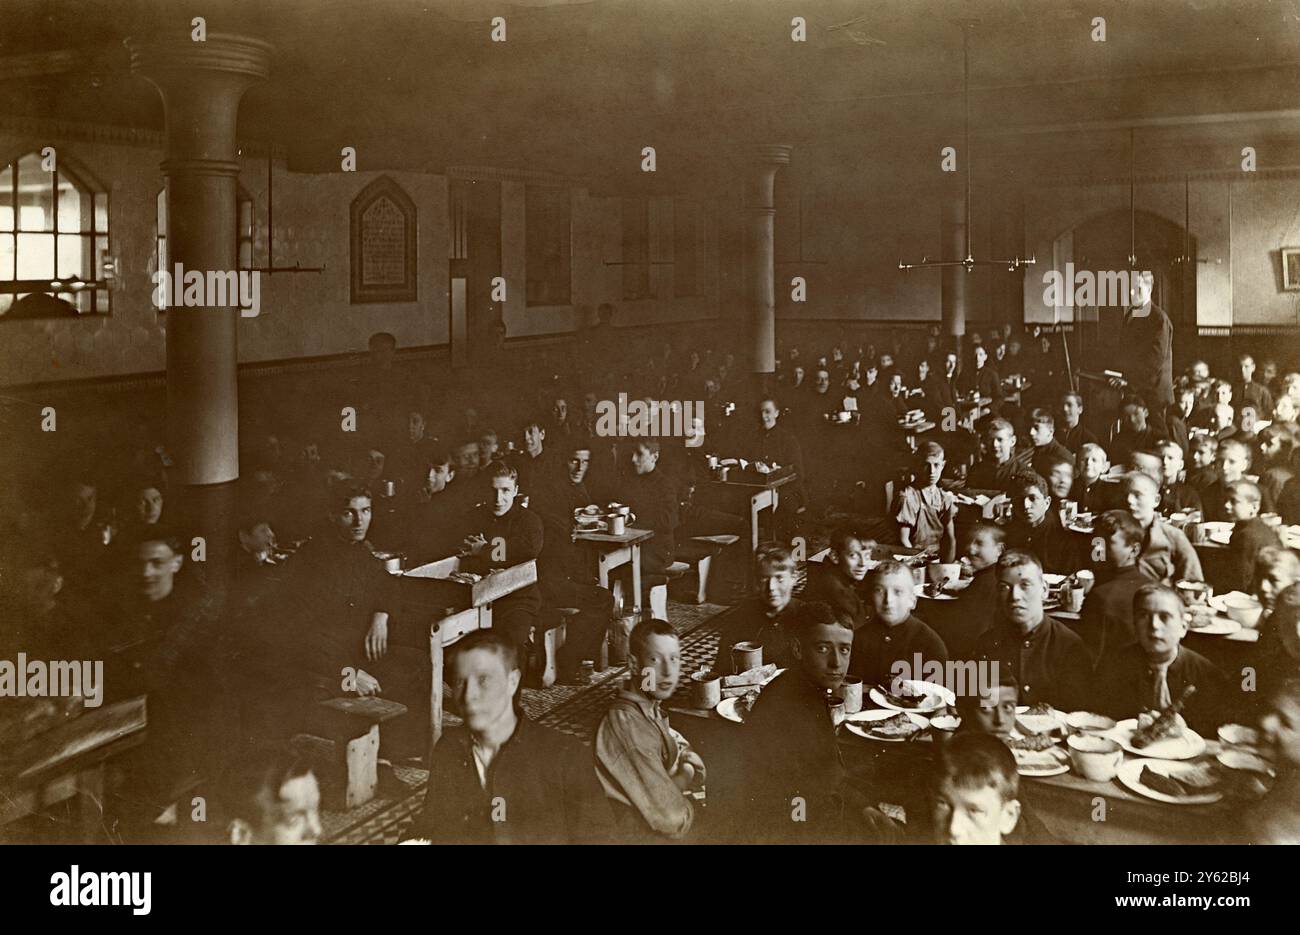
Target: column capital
{"x": 769, "y": 154}
{"x": 222, "y": 52}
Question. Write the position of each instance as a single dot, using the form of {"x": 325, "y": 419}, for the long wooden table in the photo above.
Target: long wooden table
{"x": 68, "y": 761}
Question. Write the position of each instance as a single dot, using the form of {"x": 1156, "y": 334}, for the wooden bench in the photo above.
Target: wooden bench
{"x": 347, "y": 756}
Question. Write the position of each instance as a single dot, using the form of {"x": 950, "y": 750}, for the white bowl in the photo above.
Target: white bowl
{"x": 1246, "y": 611}
{"x": 1086, "y": 722}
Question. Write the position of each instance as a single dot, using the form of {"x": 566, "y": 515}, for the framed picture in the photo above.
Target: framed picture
{"x": 1291, "y": 269}
{"x": 383, "y": 239}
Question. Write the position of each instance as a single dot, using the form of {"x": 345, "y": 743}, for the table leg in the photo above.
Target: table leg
{"x": 602, "y": 569}
{"x": 435, "y": 687}
{"x": 90, "y": 804}
{"x": 636, "y": 576}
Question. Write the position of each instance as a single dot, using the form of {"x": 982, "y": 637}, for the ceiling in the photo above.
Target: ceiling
{"x": 581, "y": 85}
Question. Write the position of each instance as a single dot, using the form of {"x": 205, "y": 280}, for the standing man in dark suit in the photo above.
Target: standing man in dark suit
{"x": 1146, "y": 343}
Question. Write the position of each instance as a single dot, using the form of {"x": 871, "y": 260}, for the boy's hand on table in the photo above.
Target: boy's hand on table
{"x": 367, "y": 684}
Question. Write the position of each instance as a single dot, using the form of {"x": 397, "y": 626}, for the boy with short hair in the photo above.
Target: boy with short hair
{"x": 1107, "y": 616}
{"x": 1042, "y": 434}
{"x": 1205, "y": 452}
{"x": 960, "y": 623}
{"x": 272, "y": 797}
{"x": 924, "y": 512}
{"x": 840, "y": 579}
{"x": 1233, "y": 462}
{"x": 1250, "y": 534}
{"x": 1152, "y": 673}
{"x": 1059, "y": 477}
{"x": 892, "y": 635}
{"x": 1073, "y": 434}
{"x": 1176, "y": 496}
{"x": 976, "y": 791}
{"x": 1036, "y": 526}
{"x": 1090, "y": 491}
{"x": 646, "y": 767}
{"x": 792, "y": 758}
{"x": 1134, "y": 433}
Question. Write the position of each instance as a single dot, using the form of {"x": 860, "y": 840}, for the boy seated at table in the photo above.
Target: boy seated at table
{"x": 795, "y": 785}
{"x": 1107, "y": 615}
{"x": 990, "y": 709}
{"x": 893, "y": 643}
{"x": 1046, "y": 658}
{"x": 766, "y": 616}
{"x": 1250, "y": 534}
{"x": 924, "y": 512}
{"x": 1036, "y": 526}
{"x": 1042, "y": 435}
{"x": 1166, "y": 553}
{"x": 840, "y": 579}
{"x": 1233, "y": 462}
{"x": 1176, "y": 496}
{"x": 1152, "y": 673}
{"x": 646, "y": 767}
{"x": 975, "y": 794}
{"x": 1091, "y": 492}
{"x": 960, "y": 622}
{"x": 1205, "y": 453}
{"x": 272, "y": 797}
{"x": 999, "y": 461}
{"x": 1058, "y": 471}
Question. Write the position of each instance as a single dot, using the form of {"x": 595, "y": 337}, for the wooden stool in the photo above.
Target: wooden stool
{"x": 348, "y": 754}
{"x": 553, "y": 637}
{"x": 698, "y": 555}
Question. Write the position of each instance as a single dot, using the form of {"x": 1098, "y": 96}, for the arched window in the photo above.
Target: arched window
{"x": 243, "y": 231}
{"x": 53, "y": 229}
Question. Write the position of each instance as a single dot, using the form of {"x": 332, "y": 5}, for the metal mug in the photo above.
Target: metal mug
{"x": 745, "y": 656}
{"x": 706, "y": 690}
{"x": 852, "y": 692}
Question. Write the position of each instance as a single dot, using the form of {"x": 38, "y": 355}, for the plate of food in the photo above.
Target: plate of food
{"x": 886, "y": 726}
{"x": 1041, "y": 718}
{"x": 912, "y": 695}
{"x": 1050, "y": 760}
{"x": 1210, "y": 624}
{"x": 737, "y": 708}
{"x": 1172, "y": 783}
{"x": 1158, "y": 738}
{"x": 942, "y": 592}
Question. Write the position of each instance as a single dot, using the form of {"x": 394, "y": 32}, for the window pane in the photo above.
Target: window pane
{"x": 6, "y": 300}
{"x": 35, "y": 195}
{"x": 101, "y": 214}
{"x": 35, "y": 256}
{"x": 101, "y": 301}
{"x": 6, "y": 257}
{"x": 71, "y": 216}
{"x": 101, "y": 252}
{"x": 7, "y": 199}
{"x": 73, "y": 257}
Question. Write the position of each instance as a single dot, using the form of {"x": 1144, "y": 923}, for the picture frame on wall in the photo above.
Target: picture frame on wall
{"x": 1291, "y": 269}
